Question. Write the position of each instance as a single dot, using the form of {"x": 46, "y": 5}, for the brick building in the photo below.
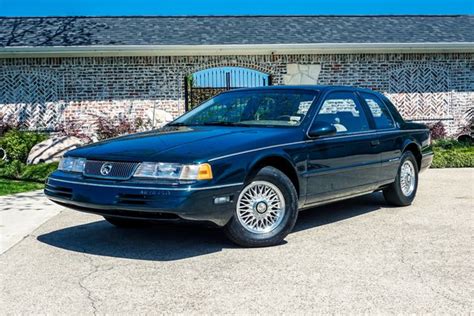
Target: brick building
{"x": 73, "y": 69}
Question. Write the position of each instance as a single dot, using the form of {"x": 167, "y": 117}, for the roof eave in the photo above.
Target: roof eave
{"x": 234, "y": 49}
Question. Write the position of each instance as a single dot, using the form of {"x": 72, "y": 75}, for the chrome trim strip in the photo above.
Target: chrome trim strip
{"x": 355, "y": 134}
{"x": 256, "y": 149}
{"x": 332, "y": 200}
{"x": 370, "y": 132}
{"x": 145, "y": 188}
{"x": 404, "y": 130}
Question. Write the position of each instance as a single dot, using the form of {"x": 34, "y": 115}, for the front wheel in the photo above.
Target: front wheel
{"x": 266, "y": 210}
{"x": 402, "y": 192}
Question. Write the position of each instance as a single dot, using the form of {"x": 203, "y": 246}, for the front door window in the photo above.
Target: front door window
{"x": 343, "y": 111}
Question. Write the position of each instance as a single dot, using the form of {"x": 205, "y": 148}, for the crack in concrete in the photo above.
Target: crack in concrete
{"x": 95, "y": 269}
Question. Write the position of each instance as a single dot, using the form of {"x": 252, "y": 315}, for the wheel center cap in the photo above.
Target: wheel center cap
{"x": 261, "y": 207}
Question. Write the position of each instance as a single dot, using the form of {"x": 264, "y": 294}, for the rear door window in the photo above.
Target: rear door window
{"x": 380, "y": 113}
{"x": 343, "y": 111}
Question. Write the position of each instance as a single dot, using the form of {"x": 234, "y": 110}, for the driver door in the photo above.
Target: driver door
{"x": 345, "y": 163}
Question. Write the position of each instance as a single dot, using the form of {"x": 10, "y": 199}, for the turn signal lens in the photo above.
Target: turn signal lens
{"x": 204, "y": 172}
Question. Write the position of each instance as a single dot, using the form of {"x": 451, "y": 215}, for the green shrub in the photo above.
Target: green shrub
{"x": 450, "y": 144}
{"x": 12, "y": 169}
{"x": 18, "y": 143}
{"x": 38, "y": 172}
{"x": 20, "y": 171}
{"x": 452, "y": 154}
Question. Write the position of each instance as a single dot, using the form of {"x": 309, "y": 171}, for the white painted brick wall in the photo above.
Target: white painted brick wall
{"x": 78, "y": 89}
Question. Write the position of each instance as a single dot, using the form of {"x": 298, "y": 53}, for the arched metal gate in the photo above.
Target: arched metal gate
{"x": 203, "y": 85}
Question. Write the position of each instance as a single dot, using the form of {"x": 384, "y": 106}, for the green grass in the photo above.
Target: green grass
{"x": 13, "y": 186}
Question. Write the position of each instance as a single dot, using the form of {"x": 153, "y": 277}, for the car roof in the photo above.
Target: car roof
{"x": 305, "y": 87}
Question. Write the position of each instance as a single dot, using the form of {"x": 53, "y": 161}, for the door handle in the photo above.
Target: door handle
{"x": 375, "y": 142}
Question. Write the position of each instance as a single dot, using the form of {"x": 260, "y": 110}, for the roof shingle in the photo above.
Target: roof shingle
{"x": 220, "y": 30}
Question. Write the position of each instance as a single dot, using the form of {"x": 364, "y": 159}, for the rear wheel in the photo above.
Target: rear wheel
{"x": 266, "y": 210}
{"x": 402, "y": 192}
{"x": 124, "y": 222}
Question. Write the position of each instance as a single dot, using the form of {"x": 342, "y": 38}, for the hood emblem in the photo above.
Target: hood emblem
{"x": 106, "y": 168}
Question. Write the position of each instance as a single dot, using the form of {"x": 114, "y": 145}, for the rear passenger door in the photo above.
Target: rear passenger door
{"x": 388, "y": 134}
{"x": 345, "y": 163}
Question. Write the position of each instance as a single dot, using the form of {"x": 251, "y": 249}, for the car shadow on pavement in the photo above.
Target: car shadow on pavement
{"x": 167, "y": 242}
{"x": 334, "y": 212}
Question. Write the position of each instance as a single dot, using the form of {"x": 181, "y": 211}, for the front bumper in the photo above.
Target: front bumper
{"x": 143, "y": 201}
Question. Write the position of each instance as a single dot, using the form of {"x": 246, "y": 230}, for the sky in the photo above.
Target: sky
{"x": 230, "y": 7}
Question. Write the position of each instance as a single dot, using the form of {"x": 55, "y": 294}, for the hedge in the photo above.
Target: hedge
{"x": 19, "y": 171}
{"x": 453, "y": 154}
{"x": 18, "y": 143}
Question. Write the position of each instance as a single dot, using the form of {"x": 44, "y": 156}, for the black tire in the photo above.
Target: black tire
{"x": 394, "y": 194}
{"x": 125, "y": 222}
{"x": 236, "y": 231}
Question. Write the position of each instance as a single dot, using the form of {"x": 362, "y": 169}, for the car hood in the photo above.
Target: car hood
{"x": 185, "y": 144}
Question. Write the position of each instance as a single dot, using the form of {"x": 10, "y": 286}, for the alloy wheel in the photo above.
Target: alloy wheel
{"x": 407, "y": 178}
{"x": 260, "y": 207}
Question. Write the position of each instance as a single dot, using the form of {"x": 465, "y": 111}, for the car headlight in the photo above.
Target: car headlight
{"x": 71, "y": 164}
{"x": 163, "y": 170}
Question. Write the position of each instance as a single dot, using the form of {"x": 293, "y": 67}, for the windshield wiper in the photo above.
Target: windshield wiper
{"x": 225, "y": 124}
{"x": 216, "y": 123}
{"x": 177, "y": 124}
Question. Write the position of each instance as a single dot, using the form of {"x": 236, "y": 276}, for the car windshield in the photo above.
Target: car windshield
{"x": 252, "y": 108}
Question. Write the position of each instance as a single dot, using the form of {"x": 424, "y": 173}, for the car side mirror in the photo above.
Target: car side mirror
{"x": 321, "y": 129}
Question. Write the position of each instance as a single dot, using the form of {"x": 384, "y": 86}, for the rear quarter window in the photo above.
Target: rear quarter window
{"x": 382, "y": 117}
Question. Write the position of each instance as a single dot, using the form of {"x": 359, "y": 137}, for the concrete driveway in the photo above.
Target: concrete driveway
{"x": 357, "y": 256}
{"x": 22, "y": 213}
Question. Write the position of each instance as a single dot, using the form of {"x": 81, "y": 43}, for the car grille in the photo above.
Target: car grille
{"x": 117, "y": 170}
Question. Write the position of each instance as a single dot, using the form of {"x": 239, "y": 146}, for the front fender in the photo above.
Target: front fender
{"x": 292, "y": 165}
